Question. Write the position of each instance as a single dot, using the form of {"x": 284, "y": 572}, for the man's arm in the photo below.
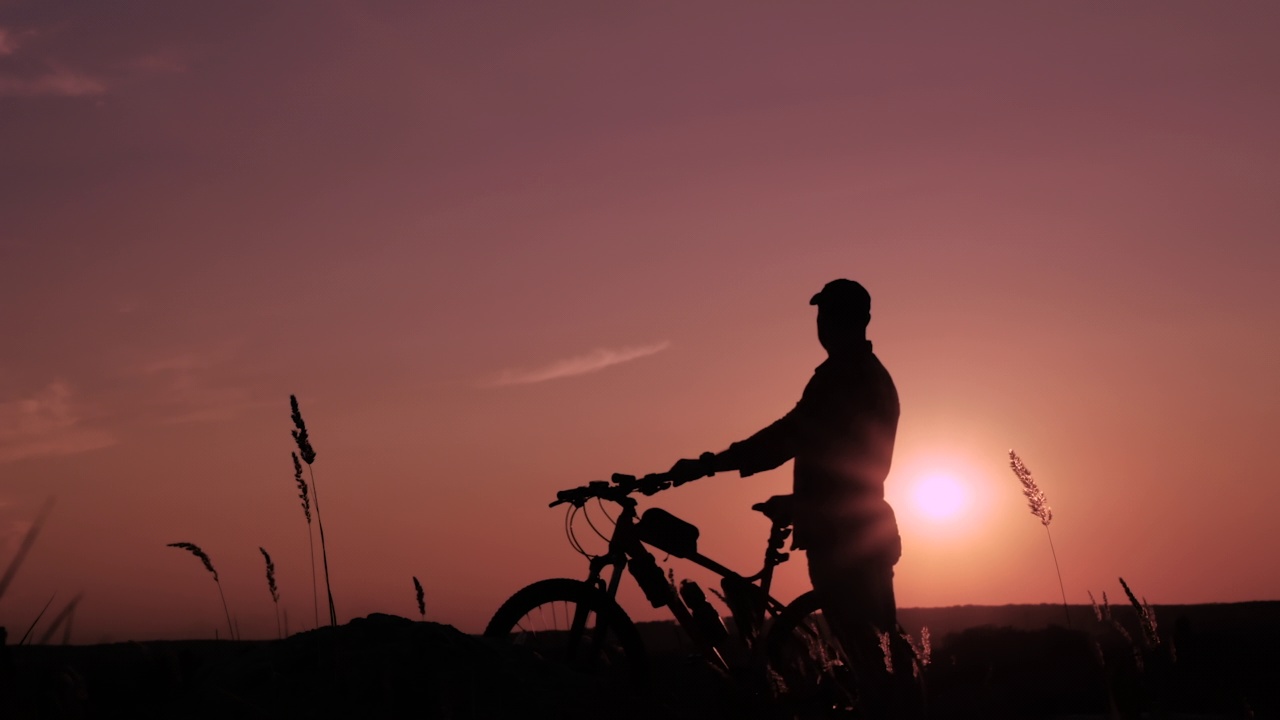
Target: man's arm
{"x": 771, "y": 446}
{"x": 765, "y": 450}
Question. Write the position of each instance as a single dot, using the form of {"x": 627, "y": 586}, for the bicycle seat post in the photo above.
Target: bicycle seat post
{"x": 773, "y": 555}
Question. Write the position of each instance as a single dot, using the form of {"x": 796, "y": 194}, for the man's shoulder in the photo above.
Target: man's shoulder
{"x": 859, "y": 370}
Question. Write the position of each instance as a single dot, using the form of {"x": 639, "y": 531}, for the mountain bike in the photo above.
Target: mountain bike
{"x": 579, "y": 623}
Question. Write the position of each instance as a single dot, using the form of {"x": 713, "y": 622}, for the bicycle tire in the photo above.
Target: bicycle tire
{"x": 808, "y": 672}
{"x": 538, "y": 618}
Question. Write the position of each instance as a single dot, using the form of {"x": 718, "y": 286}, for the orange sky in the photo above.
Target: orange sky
{"x": 416, "y": 216}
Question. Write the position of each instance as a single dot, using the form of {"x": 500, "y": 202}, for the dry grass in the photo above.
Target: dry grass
{"x": 304, "y": 495}
{"x": 1039, "y": 506}
{"x": 271, "y": 586}
{"x": 28, "y": 541}
{"x": 1146, "y": 617}
{"x": 208, "y": 565}
{"x": 422, "y": 603}
{"x": 303, "y": 440}
{"x": 63, "y": 619}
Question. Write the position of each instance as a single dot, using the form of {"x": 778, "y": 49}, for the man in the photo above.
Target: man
{"x": 841, "y": 436}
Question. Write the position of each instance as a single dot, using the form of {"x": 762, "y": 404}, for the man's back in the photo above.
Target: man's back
{"x": 845, "y": 426}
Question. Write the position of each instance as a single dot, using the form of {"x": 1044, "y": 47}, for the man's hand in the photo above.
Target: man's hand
{"x": 692, "y": 469}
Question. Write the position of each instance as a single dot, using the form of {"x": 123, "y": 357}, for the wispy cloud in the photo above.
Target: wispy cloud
{"x": 158, "y": 63}
{"x": 25, "y": 74}
{"x": 593, "y": 361}
{"x": 46, "y": 423}
{"x": 59, "y": 83}
{"x": 193, "y": 387}
{"x": 8, "y": 43}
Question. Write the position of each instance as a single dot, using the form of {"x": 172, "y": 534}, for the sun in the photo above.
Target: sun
{"x": 941, "y": 497}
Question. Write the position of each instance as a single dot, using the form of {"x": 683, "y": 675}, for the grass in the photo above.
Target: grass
{"x": 305, "y": 496}
{"x": 308, "y": 453}
{"x": 1128, "y": 654}
{"x": 1039, "y": 506}
{"x": 271, "y": 586}
{"x": 208, "y": 565}
{"x": 305, "y": 453}
{"x": 28, "y": 540}
{"x": 422, "y": 603}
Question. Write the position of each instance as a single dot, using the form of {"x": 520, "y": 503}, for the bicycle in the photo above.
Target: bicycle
{"x": 579, "y": 623}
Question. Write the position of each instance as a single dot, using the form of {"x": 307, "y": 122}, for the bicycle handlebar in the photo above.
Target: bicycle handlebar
{"x": 622, "y": 486}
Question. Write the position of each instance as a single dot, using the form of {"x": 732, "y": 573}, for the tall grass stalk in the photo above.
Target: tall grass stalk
{"x": 28, "y": 541}
{"x": 208, "y": 565}
{"x": 271, "y": 586}
{"x": 1039, "y": 506}
{"x": 422, "y": 603}
{"x": 31, "y": 627}
{"x": 1146, "y": 617}
{"x": 62, "y": 619}
{"x": 311, "y": 543}
{"x": 308, "y": 454}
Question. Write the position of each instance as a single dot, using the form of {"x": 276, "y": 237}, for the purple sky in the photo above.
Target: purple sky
{"x": 498, "y": 251}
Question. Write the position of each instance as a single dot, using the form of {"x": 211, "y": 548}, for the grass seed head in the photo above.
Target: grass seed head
{"x": 195, "y": 550}
{"x": 300, "y": 435}
{"x": 422, "y": 604}
{"x": 271, "y": 575}
{"x": 1036, "y": 500}
{"x": 1146, "y": 616}
{"x": 303, "y": 494}
{"x": 887, "y": 650}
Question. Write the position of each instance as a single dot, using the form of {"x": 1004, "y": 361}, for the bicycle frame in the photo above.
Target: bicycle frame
{"x": 627, "y": 550}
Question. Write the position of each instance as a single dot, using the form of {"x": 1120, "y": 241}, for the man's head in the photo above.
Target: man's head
{"x": 844, "y": 310}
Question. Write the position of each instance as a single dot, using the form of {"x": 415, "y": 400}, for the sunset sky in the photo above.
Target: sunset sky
{"x": 502, "y": 249}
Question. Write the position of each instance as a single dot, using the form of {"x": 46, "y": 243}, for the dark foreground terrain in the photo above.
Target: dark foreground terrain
{"x": 1217, "y": 661}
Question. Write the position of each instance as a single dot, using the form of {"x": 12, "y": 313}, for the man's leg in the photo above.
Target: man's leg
{"x": 849, "y": 609}
{"x": 858, "y": 602}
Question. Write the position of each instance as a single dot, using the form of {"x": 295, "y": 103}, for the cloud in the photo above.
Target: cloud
{"x": 27, "y": 75}
{"x": 194, "y": 387}
{"x": 159, "y": 63}
{"x": 34, "y": 66}
{"x": 47, "y": 423}
{"x": 59, "y": 83}
{"x": 593, "y": 361}
{"x": 59, "y": 59}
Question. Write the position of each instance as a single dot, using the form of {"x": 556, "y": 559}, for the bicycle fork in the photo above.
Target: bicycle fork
{"x": 582, "y": 613}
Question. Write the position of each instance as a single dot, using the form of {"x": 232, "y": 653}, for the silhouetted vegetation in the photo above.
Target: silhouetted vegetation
{"x": 1039, "y": 506}
{"x": 1133, "y": 660}
{"x": 208, "y": 565}
{"x": 308, "y": 453}
{"x": 1225, "y": 667}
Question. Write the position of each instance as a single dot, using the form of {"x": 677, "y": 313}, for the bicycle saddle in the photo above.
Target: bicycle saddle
{"x": 777, "y": 508}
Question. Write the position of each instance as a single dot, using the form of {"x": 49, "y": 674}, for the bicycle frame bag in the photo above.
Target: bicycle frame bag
{"x": 668, "y": 533}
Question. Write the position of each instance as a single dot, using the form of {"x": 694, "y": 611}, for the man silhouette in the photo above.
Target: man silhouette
{"x": 841, "y": 436}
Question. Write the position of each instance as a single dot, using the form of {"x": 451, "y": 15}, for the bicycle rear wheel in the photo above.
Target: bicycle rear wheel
{"x": 809, "y": 672}
{"x": 571, "y": 623}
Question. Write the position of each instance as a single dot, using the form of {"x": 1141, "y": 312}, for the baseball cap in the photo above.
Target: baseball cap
{"x": 843, "y": 294}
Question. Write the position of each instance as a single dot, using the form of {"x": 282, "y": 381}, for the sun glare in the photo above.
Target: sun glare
{"x": 941, "y": 497}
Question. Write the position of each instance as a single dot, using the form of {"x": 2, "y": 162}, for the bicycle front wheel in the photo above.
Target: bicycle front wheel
{"x": 809, "y": 672}
{"x": 572, "y": 623}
